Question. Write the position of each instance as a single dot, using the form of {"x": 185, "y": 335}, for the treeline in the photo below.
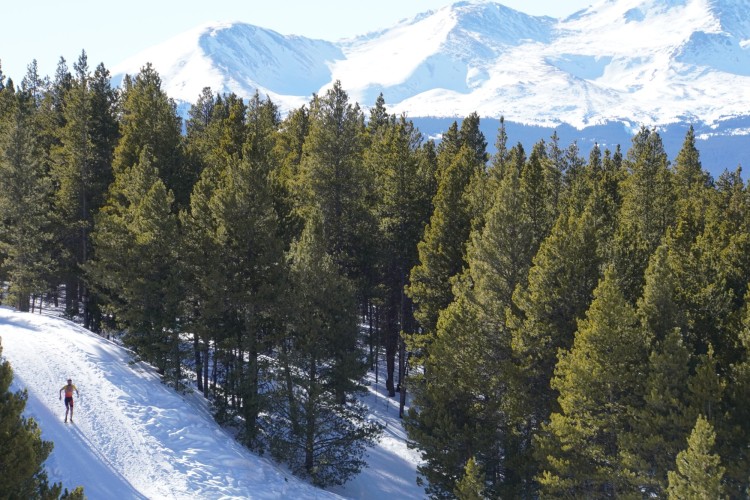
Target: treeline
{"x": 585, "y": 327}
{"x": 243, "y": 253}
{"x": 571, "y": 327}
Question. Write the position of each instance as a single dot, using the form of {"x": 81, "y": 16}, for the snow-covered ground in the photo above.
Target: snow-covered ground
{"x": 134, "y": 437}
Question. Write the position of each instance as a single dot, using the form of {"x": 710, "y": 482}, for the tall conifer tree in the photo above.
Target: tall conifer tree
{"x": 82, "y": 170}
{"x": 333, "y": 181}
{"x": 149, "y": 121}
{"x": 317, "y": 432}
{"x": 26, "y": 230}
{"x": 699, "y": 472}
{"x": 599, "y": 379}
{"x": 135, "y": 264}
{"x": 402, "y": 208}
{"x": 647, "y": 209}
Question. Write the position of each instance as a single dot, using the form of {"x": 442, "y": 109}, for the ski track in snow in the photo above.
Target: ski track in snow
{"x": 133, "y": 437}
{"x": 392, "y": 471}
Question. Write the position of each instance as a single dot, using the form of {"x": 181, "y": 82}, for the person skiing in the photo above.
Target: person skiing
{"x": 69, "y": 388}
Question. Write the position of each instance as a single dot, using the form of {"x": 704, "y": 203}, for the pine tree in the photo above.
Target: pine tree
{"x": 33, "y": 84}
{"x": 470, "y": 396}
{"x": 149, "y": 121}
{"x": 560, "y": 286}
{"x": 689, "y": 174}
{"x": 134, "y": 264}
{"x": 447, "y": 149}
{"x": 599, "y": 380}
{"x": 657, "y": 308}
{"x": 442, "y": 249}
{"x": 692, "y": 194}
{"x": 402, "y": 209}
{"x": 203, "y": 307}
{"x": 707, "y": 387}
{"x": 737, "y": 419}
{"x": 661, "y": 424}
{"x": 82, "y": 171}
{"x": 200, "y": 116}
{"x": 262, "y": 123}
{"x": 216, "y": 132}
{"x": 559, "y": 289}
{"x": 470, "y": 486}
{"x": 334, "y": 182}
{"x": 647, "y": 209}
{"x": 26, "y": 231}
{"x": 699, "y": 472}
{"x": 453, "y": 415}
{"x": 233, "y": 225}
{"x": 245, "y": 227}
{"x": 317, "y": 433}
{"x": 714, "y": 274}
{"x": 471, "y": 137}
{"x": 289, "y": 152}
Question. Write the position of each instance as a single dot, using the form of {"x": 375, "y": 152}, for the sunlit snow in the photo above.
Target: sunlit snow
{"x": 652, "y": 62}
{"x": 134, "y": 437}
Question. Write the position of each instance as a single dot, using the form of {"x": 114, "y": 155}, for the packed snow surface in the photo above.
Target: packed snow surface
{"x": 134, "y": 437}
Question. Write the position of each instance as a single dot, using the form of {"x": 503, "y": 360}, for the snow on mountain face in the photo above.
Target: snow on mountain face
{"x": 238, "y": 58}
{"x": 651, "y": 62}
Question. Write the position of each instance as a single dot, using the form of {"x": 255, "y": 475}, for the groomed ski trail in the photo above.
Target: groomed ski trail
{"x": 132, "y": 437}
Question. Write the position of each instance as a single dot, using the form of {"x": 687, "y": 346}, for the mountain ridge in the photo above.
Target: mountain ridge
{"x": 654, "y": 63}
{"x": 651, "y": 61}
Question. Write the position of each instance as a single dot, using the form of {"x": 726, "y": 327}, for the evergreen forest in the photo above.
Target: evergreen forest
{"x": 565, "y": 324}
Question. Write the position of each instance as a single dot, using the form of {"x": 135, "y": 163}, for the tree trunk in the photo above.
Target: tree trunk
{"x": 293, "y": 414}
{"x": 198, "y": 362}
{"x": 377, "y": 347}
{"x": 205, "y": 369}
{"x": 215, "y": 368}
{"x": 310, "y": 418}
{"x": 402, "y": 349}
{"x": 249, "y": 384}
{"x": 368, "y": 318}
{"x": 401, "y": 376}
{"x": 390, "y": 365}
{"x": 391, "y": 345}
{"x": 23, "y": 302}
{"x": 71, "y": 297}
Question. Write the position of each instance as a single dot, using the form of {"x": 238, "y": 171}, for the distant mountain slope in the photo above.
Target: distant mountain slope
{"x": 656, "y": 63}
{"x": 647, "y": 61}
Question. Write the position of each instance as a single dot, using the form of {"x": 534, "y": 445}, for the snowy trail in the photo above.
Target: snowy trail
{"x": 392, "y": 470}
{"x": 132, "y": 437}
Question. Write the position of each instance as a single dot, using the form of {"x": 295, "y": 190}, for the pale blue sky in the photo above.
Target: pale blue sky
{"x": 111, "y": 31}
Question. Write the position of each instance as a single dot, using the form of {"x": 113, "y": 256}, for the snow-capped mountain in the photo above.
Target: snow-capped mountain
{"x": 638, "y": 62}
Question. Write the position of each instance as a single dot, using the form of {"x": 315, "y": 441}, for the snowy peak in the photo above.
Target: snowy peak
{"x": 451, "y": 48}
{"x": 493, "y": 24}
{"x": 239, "y": 58}
{"x": 652, "y": 62}
{"x": 733, "y": 16}
{"x": 284, "y": 64}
